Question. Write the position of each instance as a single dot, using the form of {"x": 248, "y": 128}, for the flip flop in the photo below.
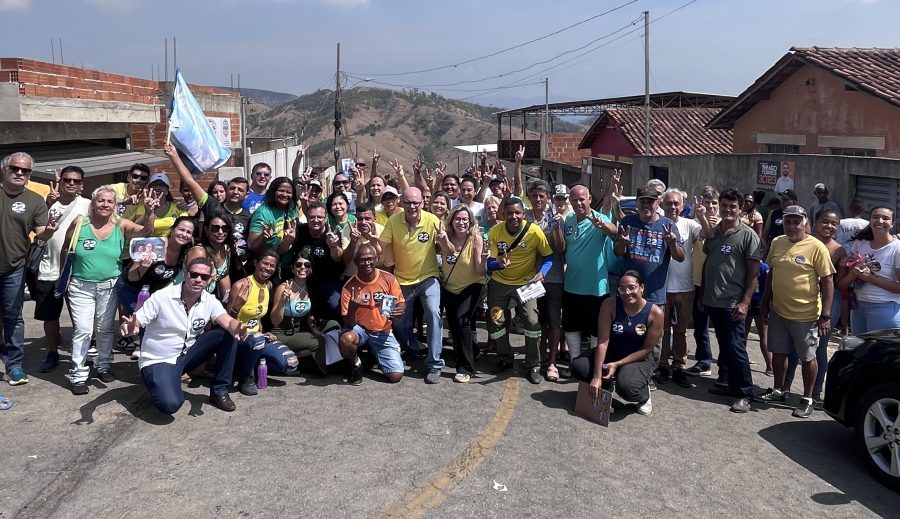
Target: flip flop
{"x": 5, "y": 403}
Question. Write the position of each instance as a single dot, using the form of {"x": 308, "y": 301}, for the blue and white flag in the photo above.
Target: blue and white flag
{"x": 192, "y": 134}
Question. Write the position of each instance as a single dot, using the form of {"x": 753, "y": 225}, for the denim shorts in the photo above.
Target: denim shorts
{"x": 384, "y": 346}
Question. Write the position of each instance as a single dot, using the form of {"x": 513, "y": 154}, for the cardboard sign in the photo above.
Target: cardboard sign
{"x": 598, "y": 410}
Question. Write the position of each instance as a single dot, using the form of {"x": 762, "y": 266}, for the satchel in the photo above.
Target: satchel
{"x": 35, "y": 256}
{"x": 65, "y": 272}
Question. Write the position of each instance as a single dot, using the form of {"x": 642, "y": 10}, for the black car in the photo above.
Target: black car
{"x": 862, "y": 391}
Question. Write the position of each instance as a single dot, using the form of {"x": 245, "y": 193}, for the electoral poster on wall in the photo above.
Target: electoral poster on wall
{"x": 775, "y": 175}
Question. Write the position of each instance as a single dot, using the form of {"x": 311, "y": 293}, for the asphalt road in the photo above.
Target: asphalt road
{"x": 317, "y": 447}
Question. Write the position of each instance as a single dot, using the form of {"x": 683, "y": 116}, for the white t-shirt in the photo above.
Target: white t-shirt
{"x": 680, "y": 277}
{"x": 477, "y": 209}
{"x": 881, "y": 262}
{"x": 168, "y": 329}
{"x": 49, "y": 269}
{"x": 847, "y": 228}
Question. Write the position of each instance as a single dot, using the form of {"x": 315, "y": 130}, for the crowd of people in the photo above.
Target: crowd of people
{"x": 364, "y": 268}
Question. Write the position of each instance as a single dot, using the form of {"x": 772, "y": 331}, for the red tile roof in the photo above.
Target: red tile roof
{"x": 871, "y": 70}
{"x": 673, "y": 131}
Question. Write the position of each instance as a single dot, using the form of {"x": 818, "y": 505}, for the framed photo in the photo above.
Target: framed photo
{"x": 139, "y": 248}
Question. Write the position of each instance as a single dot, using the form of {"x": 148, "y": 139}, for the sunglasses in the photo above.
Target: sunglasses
{"x": 264, "y": 173}
{"x": 342, "y": 182}
{"x": 17, "y": 169}
{"x": 303, "y": 265}
{"x": 219, "y": 228}
{"x": 195, "y": 275}
{"x": 71, "y": 180}
{"x": 140, "y": 177}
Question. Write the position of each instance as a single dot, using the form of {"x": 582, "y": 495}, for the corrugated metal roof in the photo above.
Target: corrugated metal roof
{"x": 94, "y": 159}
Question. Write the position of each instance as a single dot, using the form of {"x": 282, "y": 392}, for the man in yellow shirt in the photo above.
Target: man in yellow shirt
{"x": 800, "y": 272}
{"x": 408, "y": 242}
{"x": 515, "y": 245}
{"x": 129, "y": 194}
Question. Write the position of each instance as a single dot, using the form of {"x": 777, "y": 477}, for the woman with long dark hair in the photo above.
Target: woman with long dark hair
{"x": 872, "y": 268}
{"x": 273, "y": 225}
{"x": 628, "y": 327}
{"x": 217, "y": 244}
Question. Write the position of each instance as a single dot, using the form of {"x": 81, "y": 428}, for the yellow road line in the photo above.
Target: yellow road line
{"x": 433, "y": 491}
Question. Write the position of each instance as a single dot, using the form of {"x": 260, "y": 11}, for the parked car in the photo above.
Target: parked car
{"x": 862, "y": 391}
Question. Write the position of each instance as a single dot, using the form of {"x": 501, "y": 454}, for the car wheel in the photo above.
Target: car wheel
{"x": 878, "y": 432}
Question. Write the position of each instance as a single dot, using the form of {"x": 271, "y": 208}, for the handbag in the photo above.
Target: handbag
{"x": 65, "y": 273}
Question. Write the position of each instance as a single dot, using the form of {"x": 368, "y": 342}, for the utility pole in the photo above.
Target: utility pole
{"x": 337, "y": 111}
{"x": 52, "y": 49}
{"x": 647, "y": 83}
{"x": 545, "y": 126}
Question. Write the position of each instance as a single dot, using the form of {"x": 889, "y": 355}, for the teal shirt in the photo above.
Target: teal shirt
{"x": 586, "y": 247}
{"x": 98, "y": 260}
{"x": 277, "y": 219}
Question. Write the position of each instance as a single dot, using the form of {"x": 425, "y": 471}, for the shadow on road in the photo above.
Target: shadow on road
{"x": 825, "y": 448}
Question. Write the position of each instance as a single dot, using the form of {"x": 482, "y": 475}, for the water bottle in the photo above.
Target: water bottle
{"x": 142, "y": 297}
{"x": 261, "y": 373}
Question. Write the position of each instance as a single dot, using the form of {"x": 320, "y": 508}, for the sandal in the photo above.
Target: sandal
{"x": 552, "y": 373}
{"x": 462, "y": 378}
{"x": 5, "y": 403}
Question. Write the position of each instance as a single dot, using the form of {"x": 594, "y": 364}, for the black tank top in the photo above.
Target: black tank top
{"x": 628, "y": 333}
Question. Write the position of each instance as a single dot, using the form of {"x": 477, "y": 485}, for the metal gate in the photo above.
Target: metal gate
{"x": 879, "y": 191}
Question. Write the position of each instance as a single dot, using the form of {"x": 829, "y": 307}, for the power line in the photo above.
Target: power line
{"x": 443, "y": 67}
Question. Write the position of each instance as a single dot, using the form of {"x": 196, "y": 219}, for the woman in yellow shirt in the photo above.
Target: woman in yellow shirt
{"x": 465, "y": 265}
{"x": 248, "y": 302}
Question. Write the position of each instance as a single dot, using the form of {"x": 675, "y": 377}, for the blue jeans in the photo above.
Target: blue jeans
{"x": 732, "y": 350}
{"x": 874, "y": 316}
{"x": 430, "y": 292}
{"x": 12, "y": 299}
{"x": 703, "y": 353}
{"x": 163, "y": 380}
{"x": 278, "y": 358}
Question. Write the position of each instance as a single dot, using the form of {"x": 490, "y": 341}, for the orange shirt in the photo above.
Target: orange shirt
{"x": 366, "y": 299}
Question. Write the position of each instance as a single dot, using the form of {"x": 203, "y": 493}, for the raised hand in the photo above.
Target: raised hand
{"x": 624, "y": 235}
{"x": 268, "y": 232}
{"x": 520, "y": 154}
{"x": 441, "y": 234}
{"x": 301, "y": 150}
{"x": 332, "y": 239}
{"x": 669, "y": 235}
{"x": 427, "y": 175}
{"x": 306, "y": 175}
{"x": 398, "y": 168}
{"x": 152, "y": 201}
{"x": 699, "y": 208}
{"x": 417, "y": 166}
{"x": 240, "y": 298}
{"x": 354, "y": 232}
{"x": 482, "y": 157}
{"x": 375, "y": 156}
{"x": 53, "y": 195}
{"x": 290, "y": 232}
{"x": 129, "y": 326}
{"x": 170, "y": 151}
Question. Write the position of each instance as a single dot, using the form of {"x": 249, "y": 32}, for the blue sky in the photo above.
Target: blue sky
{"x": 717, "y": 46}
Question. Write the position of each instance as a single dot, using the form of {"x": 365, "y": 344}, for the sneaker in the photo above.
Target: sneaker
{"x": 652, "y": 386}
{"x": 17, "y": 376}
{"x": 742, "y": 405}
{"x": 106, "y": 376}
{"x": 433, "y": 376}
{"x": 534, "y": 375}
{"x": 805, "y": 409}
{"x": 92, "y": 351}
{"x": 50, "y": 362}
{"x": 247, "y": 387}
{"x": 646, "y": 408}
{"x": 356, "y": 376}
{"x": 773, "y": 395}
{"x": 126, "y": 344}
{"x": 681, "y": 379}
{"x": 462, "y": 378}
{"x": 501, "y": 366}
{"x": 698, "y": 370}
{"x": 663, "y": 375}
{"x": 552, "y": 374}
{"x": 79, "y": 388}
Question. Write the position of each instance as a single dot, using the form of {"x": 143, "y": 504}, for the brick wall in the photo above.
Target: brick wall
{"x": 563, "y": 147}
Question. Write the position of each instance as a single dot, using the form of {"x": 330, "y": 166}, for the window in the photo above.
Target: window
{"x": 853, "y": 152}
{"x": 782, "y": 148}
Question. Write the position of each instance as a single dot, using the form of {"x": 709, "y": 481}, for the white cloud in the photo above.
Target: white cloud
{"x": 15, "y": 5}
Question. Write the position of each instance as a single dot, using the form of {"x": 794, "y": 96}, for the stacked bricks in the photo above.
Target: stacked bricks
{"x": 563, "y": 148}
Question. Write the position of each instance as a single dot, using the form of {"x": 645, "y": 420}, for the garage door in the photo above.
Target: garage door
{"x": 879, "y": 191}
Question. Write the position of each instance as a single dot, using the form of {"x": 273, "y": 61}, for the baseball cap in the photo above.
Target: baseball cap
{"x": 561, "y": 191}
{"x": 389, "y": 190}
{"x": 647, "y": 192}
{"x": 789, "y": 194}
{"x": 794, "y": 210}
{"x": 497, "y": 178}
{"x": 316, "y": 183}
{"x": 159, "y": 177}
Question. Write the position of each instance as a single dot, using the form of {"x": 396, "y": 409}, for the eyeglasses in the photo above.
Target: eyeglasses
{"x": 219, "y": 228}
{"x": 263, "y": 173}
{"x": 630, "y": 289}
{"x": 17, "y": 169}
{"x": 137, "y": 176}
{"x": 303, "y": 265}
{"x": 71, "y": 180}
{"x": 195, "y": 275}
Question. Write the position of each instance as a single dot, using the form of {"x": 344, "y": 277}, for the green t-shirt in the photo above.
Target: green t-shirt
{"x": 98, "y": 260}
{"x": 726, "y": 265}
{"x": 278, "y": 219}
